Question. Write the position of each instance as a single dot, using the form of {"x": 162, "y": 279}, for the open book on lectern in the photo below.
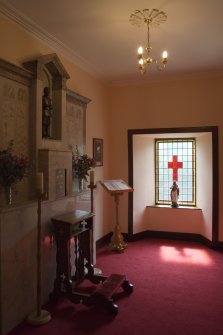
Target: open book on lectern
{"x": 116, "y": 186}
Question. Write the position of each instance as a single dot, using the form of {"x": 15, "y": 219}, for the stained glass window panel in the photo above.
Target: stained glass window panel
{"x": 175, "y": 160}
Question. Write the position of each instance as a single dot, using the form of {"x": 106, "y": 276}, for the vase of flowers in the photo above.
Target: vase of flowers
{"x": 81, "y": 165}
{"x": 8, "y": 195}
{"x": 13, "y": 168}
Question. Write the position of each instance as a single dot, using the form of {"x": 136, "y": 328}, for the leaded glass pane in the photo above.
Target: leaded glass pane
{"x": 175, "y": 160}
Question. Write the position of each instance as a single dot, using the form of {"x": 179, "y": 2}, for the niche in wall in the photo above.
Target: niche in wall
{"x": 50, "y": 72}
{"x": 156, "y": 219}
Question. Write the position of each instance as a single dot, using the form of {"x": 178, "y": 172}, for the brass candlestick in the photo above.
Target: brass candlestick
{"x": 97, "y": 271}
{"x": 92, "y": 187}
{"x": 40, "y": 316}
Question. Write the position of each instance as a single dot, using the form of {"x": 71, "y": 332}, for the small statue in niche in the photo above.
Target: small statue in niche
{"x": 174, "y": 194}
{"x": 47, "y": 112}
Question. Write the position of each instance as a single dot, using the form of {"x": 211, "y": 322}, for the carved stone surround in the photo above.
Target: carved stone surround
{"x": 21, "y": 91}
{"x": 21, "y": 112}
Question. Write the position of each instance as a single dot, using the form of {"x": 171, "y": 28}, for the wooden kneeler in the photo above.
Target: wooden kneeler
{"x": 103, "y": 293}
{"x": 105, "y": 290}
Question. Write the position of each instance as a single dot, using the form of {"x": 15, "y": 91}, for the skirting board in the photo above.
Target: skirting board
{"x": 164, "y": 235}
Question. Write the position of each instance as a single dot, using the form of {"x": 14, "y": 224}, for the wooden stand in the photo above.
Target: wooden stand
{"x": 117, "y": 243}
{"x": 116, "y": 188}
{"x": 39, "y": 316}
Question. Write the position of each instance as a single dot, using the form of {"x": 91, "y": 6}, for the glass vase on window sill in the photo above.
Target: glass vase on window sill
{"x": 80, "y": 184}
{"x": 8, "y": 195}
{"x": 81, "y": 165}
{"x": 13, "y": 168}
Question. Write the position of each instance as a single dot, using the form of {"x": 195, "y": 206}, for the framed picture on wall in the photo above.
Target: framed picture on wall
{"x": 98, "y": 151}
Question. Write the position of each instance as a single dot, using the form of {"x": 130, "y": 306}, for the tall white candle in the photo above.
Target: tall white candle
{"x": 39, "y": 181}
{"x": 92, "y": 177}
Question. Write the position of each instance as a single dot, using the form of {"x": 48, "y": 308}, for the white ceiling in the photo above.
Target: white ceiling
{"x": 97, "y": 34}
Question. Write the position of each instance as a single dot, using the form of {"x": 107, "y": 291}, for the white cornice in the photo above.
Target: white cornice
{"x": 45, "y": 37}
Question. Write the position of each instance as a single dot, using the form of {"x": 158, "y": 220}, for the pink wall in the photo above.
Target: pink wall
{"x": 190, "y": 220}
{"x": 114, "y": 110}
{"x": 176, "y": 103}
{"x": 19, "y": 46}
{"x": 204, "y": 182}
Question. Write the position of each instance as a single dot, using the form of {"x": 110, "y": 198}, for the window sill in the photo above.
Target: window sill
{"x": 169, "y": 207}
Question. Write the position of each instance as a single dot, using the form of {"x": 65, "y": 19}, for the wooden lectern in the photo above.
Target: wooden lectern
{"x": 116, "y": 188}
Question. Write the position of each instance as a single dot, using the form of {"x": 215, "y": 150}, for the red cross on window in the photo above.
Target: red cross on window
{"x": 175, "y": 165}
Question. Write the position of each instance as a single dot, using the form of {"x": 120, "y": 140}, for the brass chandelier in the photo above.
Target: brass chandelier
{"x": 152, "y": 18}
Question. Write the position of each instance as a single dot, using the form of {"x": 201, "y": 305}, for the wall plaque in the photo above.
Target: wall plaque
{"x": 60, "y": 183}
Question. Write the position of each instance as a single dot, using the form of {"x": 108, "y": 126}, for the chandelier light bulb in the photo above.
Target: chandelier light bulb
{"x": 140, "y": 51}
{"x": 165, "y": 55}
{"x": 141, "y": 62}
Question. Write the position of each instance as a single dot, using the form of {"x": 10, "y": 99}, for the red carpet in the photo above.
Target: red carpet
{"x": 178, "y": 290}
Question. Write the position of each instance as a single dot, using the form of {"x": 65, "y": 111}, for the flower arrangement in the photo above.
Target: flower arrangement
{"x": 81, "y": 165}
{"x": 12, "y": 168}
